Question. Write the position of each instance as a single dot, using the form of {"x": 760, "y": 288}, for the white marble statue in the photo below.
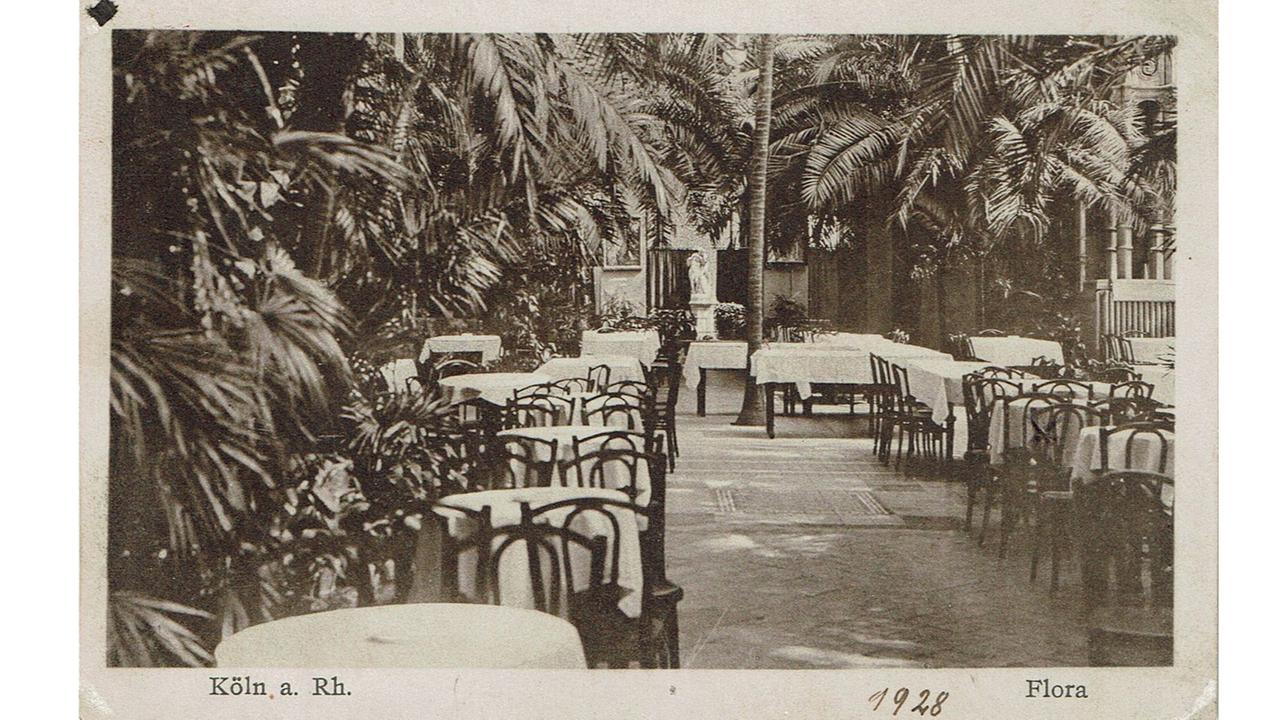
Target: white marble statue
{"x": 699, "y": 275}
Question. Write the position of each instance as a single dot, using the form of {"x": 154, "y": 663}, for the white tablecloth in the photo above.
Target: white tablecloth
{"x": 423, "y": 635}
{"x": 1162, "y": 382}
{"x": 489, "y": 346}
{"x": 615, "y": 476}
{"x": 802, "y": 364}
{"x": 718, "y": 355}
{"x": 640, "y": 344}
{"x": 496, "y": 388}
{"x": 621, "y": 367}
{"x": 1015, "y": 350}
{"x": 397, "y": 372}
{"x": 1151, "y": 350}
{"x": 939, "y": 381}
{"x": 513, "y": 571}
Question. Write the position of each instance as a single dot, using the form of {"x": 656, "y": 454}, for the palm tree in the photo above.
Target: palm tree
{"x": 752, "y": 408}
{"x": 273, "y": 192}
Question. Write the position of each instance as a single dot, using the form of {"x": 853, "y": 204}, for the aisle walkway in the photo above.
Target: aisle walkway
{"x": 804, "y": 552}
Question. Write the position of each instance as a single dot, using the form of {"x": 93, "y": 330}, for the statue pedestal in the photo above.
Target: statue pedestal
{"x": 704, "y": 316}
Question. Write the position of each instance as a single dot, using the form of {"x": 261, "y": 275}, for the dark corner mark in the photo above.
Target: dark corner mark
{"x": 102, "y": 12}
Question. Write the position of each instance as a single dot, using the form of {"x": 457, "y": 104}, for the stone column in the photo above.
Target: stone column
{"x": 1112, "y": 265}
{"x": 1082, "y": 234}
{"x": 1157, "y": 251}
{"x": 1125, "y": 254}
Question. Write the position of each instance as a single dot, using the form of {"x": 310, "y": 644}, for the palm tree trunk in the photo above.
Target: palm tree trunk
{"x": 752, "y": 412}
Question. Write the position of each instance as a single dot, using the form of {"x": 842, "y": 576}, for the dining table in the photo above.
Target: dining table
{"x": 495, "y": 388}
{"x": 1161, "y": 377}
{"x": 707, "y": 355}
{"x": 1015, "y": 350}
{"x": 618, "y": 523}
{"x": 414, "y": 635}
{"x": 642, "y": 345}
{"x": 621, "y": 367}
{"x": 1151, "y": 351}
{"x": 488, "y": 346}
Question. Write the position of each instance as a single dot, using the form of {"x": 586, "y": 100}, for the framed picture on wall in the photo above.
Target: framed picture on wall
{"x": 623, "y": 251}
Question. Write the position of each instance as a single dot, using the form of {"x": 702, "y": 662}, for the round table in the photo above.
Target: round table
{"x": 423, "y": 635}
{"x": 621, "y": 367}
{"x": 496, "y": 388}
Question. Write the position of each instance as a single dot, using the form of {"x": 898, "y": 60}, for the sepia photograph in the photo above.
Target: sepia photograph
{"x": 646, "y": 351}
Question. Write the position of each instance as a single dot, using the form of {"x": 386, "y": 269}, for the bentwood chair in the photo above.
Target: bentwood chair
{"x": 550, "y": 550}
{"x": 612, "y": 462}
{"x": 1053, "y": 496}
{"x": 1135, "y": 527}
{"x": 663, "y": 420}
{"x": 615, "y": 410}
{"x": 994, "y": 371}
{"x": 1132, "y": 389}
{"x": 610, "y": 637}
{"x": 914, "y": 420}
{"x": 537, "y": 411}
{"x": 1072, "y": 389}
{"x": 521, "y": 462}
{"x": 980, "y": 394}
{"x": 537, "y": 389}
{"x": 1017, "y": 471}
{"x": 640, "y": 390}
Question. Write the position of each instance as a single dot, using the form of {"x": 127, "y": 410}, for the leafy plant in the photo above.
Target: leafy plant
{"x": 731, "y": 320}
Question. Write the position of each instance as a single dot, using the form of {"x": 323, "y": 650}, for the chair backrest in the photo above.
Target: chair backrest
{"x": 607, "y": 464}
{"x": 1065, "y": 388}
{"x": 546, "y": 388}
{"x": 1027, "y": 434}
{"x": 598, "y": 376}
{"x": 537, "y": 411}
{"x": 1058, "y": 430}
{"x": 993, "y": 371}
{"x": 615, "y": 410}
{"x": 575, "y": 385}
{"x": 456, "y": 366}
{"x": 519, "y": 462}
{"x": 641, "y": 390}
{"x": 901, "y": 388}
{"x": 980, "y": 394}
{"x": 1132, "y": 389}
{"x": 1121, "y": 410}
{"x": 550, "y": 551}
{"x": 1155, "y": 431}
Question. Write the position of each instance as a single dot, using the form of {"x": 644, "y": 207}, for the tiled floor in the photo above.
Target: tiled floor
{"x": 804, "y": 552}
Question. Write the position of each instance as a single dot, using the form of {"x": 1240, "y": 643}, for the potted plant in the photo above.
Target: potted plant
{"x": 731, "y": 321}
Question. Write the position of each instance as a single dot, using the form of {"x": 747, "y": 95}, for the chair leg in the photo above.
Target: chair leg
{"x": 1038, "y": 539}
{"x": 986, "y": 510}
{"x": 971, "y": 486}
{"x": 1055, "y": 547}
